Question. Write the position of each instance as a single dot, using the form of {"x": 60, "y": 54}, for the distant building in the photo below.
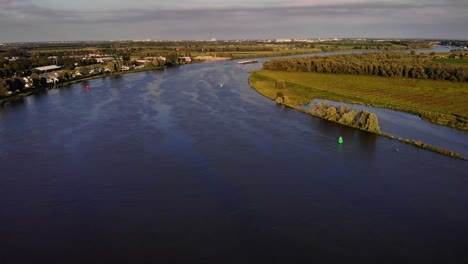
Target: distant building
{"x": 104, "y": 59}
{"x": 47, "y": 68}
{"x": 283, "y": 40}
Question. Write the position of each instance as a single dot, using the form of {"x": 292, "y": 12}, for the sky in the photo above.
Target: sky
{"x": 62, "y": 20}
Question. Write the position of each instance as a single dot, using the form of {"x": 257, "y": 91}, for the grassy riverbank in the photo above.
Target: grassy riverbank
{"x": 441, "y": 101}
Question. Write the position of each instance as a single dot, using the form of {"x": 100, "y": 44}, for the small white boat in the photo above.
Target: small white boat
{"x": 247, "y": 61}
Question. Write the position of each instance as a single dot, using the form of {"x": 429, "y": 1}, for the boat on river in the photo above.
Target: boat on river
{"x": 247, "y": 61}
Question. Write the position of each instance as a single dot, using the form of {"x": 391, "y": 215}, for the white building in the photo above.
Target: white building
{"x": 283, "y": 40}
{"x": 104, "y": 59}
{"x": 47, "y": 68}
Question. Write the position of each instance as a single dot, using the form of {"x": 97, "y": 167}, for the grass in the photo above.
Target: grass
{"x": 437, "y": 101}
{"x": 423, "y": 97}
{"x": 452, "y": 61}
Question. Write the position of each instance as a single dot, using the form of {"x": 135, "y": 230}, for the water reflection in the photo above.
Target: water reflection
{"x": 11, "y": 104}
{"x": 368, "y": 144}
{"x": 66, "y": 89}
{"x": 39, "y": 94}
{"x": 83, "y": 83}
{"x": 116, "y": 77}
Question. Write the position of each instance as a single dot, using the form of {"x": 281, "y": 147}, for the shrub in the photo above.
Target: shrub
{"x": 331, "y": 114}
{"x": 280, "y": 100}
{"x": 348, "y": 117}
{"x": 372, "y": 123}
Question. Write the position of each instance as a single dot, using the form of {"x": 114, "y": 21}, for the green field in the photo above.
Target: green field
{"x": 452, "y": 61}
{"x": 257, "y": 54}
{"x": 440, "y": 102}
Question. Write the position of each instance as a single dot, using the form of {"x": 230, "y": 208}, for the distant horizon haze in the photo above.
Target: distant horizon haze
{"x": 229, "y": 40}
{"x": 54, "y": 20}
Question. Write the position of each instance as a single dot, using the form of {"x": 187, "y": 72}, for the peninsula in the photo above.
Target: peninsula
{"x": 294, "y": 82}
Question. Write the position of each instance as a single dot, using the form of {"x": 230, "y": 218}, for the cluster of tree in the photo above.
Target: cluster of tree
{"x": 378, "y": 64}
{"x": 24, "y": 66}
{"x": 17, "y": 64}
{"x": 413, "y": 44}
{"x": 15, "y": 53}
{"x": 20, "y": 61}
{"x": 454, "y": 43}
{"x": 172, "y": 58}
{"x": 458, "y": 54}
{"x": 157, "y": 62}
{"x": 347, "y": 116}
{"x": 10, "y": 85}
{"x": 16, "y": 84}
{"x": 3, "y": 87}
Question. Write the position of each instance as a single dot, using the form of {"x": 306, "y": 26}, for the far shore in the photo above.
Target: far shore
{"x": 210, "y": 58}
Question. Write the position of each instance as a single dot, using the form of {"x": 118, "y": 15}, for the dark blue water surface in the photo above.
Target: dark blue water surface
{"x": 409, "y": 126}
{"x": 167, "y": 167}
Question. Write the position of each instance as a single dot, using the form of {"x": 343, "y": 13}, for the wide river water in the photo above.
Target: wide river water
{"x": 168, "y": 167}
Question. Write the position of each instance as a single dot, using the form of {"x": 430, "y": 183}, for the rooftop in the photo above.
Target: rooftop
{"x": 47, "y": 68}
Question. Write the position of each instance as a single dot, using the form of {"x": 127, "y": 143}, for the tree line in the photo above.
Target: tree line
{"x": 387, "y": 64}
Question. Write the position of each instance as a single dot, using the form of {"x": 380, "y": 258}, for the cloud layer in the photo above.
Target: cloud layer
{"x": 44, "y": 20}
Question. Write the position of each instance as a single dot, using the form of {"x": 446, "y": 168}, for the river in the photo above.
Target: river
{"x": 409, "y": 126}
{"x": 169, "y": 167}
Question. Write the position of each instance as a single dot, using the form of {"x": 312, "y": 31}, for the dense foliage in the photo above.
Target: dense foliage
{"x": 388, "y": 64}
{"x": 347, "y": 116}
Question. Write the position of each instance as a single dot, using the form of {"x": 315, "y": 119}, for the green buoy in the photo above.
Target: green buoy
{"x": 221, "y": 85}
{"x": 340, "y": 140}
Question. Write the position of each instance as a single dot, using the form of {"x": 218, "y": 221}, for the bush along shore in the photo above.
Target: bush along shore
{"x": 346, "y": 116}
{"x": 343, "y": 115}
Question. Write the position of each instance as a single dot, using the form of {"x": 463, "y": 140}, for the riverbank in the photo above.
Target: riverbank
{"x": 439, "y": 102}
{"x": 198, "y": 59}
{"x": 295, "y": 94}
{"x": 28, "y": 92}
